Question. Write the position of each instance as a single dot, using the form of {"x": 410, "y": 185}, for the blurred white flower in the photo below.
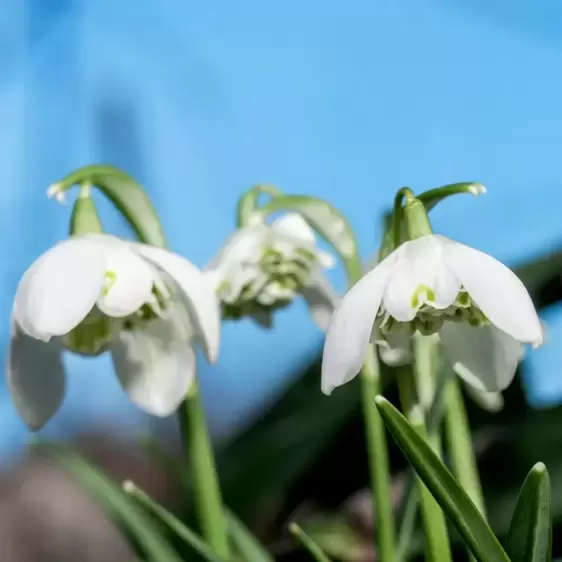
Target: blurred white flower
{"x": 480, "y": 308}
{"x": 93, "y": 293}
{"x": 262, "y": 267}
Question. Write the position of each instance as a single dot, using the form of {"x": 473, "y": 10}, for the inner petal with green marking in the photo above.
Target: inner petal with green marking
{"x": 429, "y": 320}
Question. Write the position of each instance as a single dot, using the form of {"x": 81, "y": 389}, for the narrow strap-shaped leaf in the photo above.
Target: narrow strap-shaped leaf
{"x": 116, "y": 502}
{"x": 409, "y": 508}
{"x": 315, "y": 551}
{"x": 245, "y": 542}
{"x": 125, "y": 193}
{"x": 451, "y": 497}
{"x": 529, "y": 538}
{"x": 171, "y": 521}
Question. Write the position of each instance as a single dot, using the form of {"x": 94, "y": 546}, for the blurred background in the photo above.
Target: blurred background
{"x": 344, "y": 101}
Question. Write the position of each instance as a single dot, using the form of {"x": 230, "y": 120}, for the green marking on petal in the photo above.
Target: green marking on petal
{"x": 463, "y": 299}
{"x": 110, "y": 280}
{"x": 427, "y": 292}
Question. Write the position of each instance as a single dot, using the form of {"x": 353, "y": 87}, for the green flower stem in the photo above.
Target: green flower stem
{"x": 459, "y": 443}
{"x": 377, "y": 448}
{"x": 397, "y": 213}
{"x": 207, "y": 497}
{"x": 377, "y": 452}
{"x": 425, "y": 376}
{"x": 437, "y": 540}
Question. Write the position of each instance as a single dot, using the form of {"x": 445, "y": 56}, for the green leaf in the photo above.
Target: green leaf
{"x": 116, "y": 503}
{"x": 451, "y": 497}
{"x": 327, "y": 221}
{"x": 125, "y": 193}
{"x": 313, "y": 548}
{"x": 432, "y": 197}
{"x": 172, "y": 522}
{"x": 245, "y": 542}
{"x": 337, "y": 536}
{"x": 530, "y": 533}
{"x": 409, "y": 509}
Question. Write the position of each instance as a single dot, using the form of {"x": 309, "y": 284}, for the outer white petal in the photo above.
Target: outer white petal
{"x": 351, "y": 326}
{"x": 243, "y": 247}
{"x": 129, "y": 282}
{"x": 420, "y": 263}
{"x": 155, "y": 365}
{"x": 198, "y": 292}
{"x": 322, "y": 300}
{"x": 35, "y": 378}
{"x": 484, "y": 356}
{"x": 497, "y": 291}
{"x": 490, "y": 401}
{"x": 60, "y": 288}
{"x": 293, "y": 226}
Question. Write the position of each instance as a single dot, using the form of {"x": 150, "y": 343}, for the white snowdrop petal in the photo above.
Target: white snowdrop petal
{"x": 418, "y": 272}
{"x": 155, "y": 365}
{"x": 496, "y": 290}
{"x": 128, "y": 283}
{"x": 293, "y": 226}
{"x": 351, "y": 326}
{"x": 199, "y": 294}
{"x": 243, "y": 247}
{"x": 321, "y": 299}
{"x": 35, "y": 378}
{"x": 60, "y": 288}
{"x": 484, "y": 356}
{"x": 492, "y": 402}
{"x": 326, "y": 260}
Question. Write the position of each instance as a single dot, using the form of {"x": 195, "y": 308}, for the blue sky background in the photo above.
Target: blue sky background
{"x": 345, "y": 101}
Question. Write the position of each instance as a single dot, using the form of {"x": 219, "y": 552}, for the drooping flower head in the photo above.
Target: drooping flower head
{"x": 94, "y": 293}
{"x": 263, "y": 267}
{"x": 431, "y": 284}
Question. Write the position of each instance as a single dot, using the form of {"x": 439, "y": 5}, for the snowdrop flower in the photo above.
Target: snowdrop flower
{"x": 88, "y": 294}
{"x": 263, "y": 267}
{"x": 479, "y": 307}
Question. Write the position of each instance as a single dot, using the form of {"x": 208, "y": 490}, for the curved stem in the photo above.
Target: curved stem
{"x": 404, "y": 192}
